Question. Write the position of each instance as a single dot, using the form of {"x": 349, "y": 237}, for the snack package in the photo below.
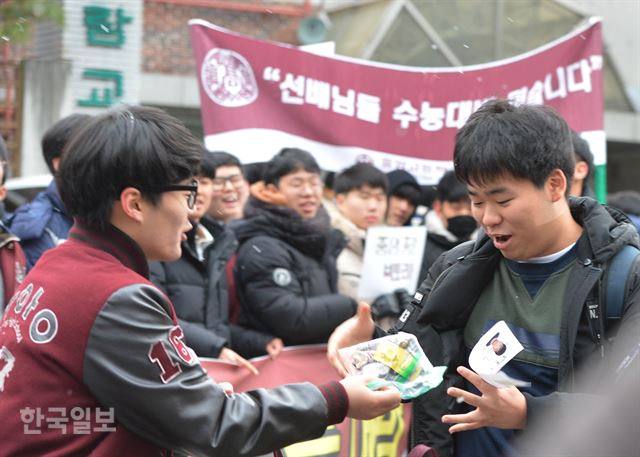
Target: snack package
{"x": 398, "y": 360}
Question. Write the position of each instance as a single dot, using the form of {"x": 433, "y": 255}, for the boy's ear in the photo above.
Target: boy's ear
{"x": 436, "y": 205}
{"x": 340, "y": 198}
{"x": 557, "y": 185}
{"x": 272, "y": 188}
{"x": 132, "y": 203}
{"x": 581, "y": 170}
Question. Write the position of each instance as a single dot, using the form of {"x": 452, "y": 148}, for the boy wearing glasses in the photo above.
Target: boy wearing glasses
{"x": 230, "y": 188}
{"x": 286, "y": 272}
{"x": 89, "y": 338}
{"x": 196, "y": 283}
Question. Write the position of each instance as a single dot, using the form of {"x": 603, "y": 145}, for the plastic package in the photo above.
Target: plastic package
{"x": 398, "y": 360}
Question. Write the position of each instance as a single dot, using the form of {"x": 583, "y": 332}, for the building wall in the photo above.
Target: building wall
{"x": 166, "y": 40}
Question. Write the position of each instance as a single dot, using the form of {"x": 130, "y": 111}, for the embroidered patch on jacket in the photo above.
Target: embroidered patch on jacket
{"x": 282, "y": 277}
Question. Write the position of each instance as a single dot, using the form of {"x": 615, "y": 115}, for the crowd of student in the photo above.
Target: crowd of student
{"x": 269, "y": 261}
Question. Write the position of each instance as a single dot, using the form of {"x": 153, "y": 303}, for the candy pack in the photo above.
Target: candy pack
{"x": 398, "y": 360}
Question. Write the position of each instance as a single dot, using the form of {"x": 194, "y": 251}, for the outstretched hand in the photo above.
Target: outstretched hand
{"x": 504, "y": 407}
{"x": 365, "y": 403}
{"x": 354, "y": 330}
{"x": 231, "y": 356}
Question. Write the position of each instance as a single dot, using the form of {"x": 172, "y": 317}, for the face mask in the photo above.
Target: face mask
{"x": 461, "y": 226}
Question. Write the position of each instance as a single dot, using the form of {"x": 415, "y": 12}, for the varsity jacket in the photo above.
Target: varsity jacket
{"x": 443, "y": 302}
{"x": 12, "y": 265}
{"x": 88, "y": 332}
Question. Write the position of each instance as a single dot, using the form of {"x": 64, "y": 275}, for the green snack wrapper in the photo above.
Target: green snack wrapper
{"x": 398, "y": 360}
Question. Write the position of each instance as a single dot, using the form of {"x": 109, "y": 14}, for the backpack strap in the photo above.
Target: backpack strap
{"x": 617, "y": 280}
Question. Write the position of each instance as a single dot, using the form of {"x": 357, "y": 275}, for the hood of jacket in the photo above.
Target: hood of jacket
{"x": 606, "y": 229}
{"x": 437, "y": 233}
{"x": 355, "y": 236}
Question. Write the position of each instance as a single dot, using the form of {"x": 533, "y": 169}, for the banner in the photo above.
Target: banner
{"x": 383, "y": 436}
{"x": 259, "y": 96}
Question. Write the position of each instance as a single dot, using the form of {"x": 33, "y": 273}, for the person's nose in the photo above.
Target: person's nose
{"x": 490, "y": 216}
{"x": 227, "y": 184}
{"x": 307, "y": 188}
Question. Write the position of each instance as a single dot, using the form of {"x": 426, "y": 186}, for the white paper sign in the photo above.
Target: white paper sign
{"x": 493, "y": 351}
{"x": 392, "y": 260}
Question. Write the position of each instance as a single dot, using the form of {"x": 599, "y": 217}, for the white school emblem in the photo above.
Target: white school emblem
{"x": 281, "y": 277}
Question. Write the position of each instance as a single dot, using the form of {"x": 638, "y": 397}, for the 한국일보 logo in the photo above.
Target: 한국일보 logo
{"x": 228, "y": 78}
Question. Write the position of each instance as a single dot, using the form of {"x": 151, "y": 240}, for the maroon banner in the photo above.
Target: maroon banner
{"x": 384, "y": 436}
{"x": 259, "y": 96}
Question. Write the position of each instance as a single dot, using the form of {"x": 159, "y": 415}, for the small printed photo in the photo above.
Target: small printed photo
{"x": 498, "y": 347}
{"x": 494, "y": 349}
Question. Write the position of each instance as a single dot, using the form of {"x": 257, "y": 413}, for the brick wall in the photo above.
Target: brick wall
{"x": 166, "y": 43}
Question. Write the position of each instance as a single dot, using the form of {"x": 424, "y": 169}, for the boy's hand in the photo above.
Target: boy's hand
{"x": 354, "y": 330}
{"x": 497, "y": 407}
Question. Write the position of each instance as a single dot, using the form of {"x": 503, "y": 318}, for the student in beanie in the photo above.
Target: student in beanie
{"x": 404, "y": 197}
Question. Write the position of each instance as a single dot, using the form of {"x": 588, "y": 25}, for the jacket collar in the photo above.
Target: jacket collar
{"x": 112, "y": 241}
{"x": 54, "y": 196}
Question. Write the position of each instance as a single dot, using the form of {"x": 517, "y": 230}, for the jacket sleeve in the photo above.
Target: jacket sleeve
{"x": 285, "y": 310}
{"x": 136, "y": 362}
{"x": 28, "y": 223}
{"x": 205, "y": 342}
{"x": 249, "y": 342}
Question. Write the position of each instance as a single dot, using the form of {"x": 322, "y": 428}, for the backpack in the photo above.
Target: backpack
{"x": 618, "y": 280}
{"x": 616, "y": 283}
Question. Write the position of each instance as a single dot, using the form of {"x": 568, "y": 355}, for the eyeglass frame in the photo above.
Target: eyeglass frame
{"x": 192, "y": 188}
{"x": 225, "y": 179}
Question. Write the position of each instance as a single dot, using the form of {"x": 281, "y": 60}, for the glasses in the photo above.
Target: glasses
{"x": 192, "y": 188}
{"x": 235, "y": 180}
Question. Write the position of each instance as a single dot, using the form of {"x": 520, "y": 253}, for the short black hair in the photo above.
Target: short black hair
{"x": 254, "y": 171}
{"x": 359, "y": 175}
{"x": 4, "y": 158}
{"x": 207, "y": 165}
{"x": 59, "y": 134}
{"x": 135, "y": 146}
{"x": 224, "y": 159}
{"x": 451, "y": 189}
{"x": 526, "y": 141}
{"x": 287, "y": 161}
{"x": 582, "y": 152}
{"x": 408, "y": 192}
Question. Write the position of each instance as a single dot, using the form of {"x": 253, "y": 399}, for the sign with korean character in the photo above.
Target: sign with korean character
{"x": 345, "y": 110}
{"x": 106, "y": 59}
{"x": 392, "y": 260}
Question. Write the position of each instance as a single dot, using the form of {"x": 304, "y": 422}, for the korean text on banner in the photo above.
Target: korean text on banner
{"x": 259, "y": 96}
